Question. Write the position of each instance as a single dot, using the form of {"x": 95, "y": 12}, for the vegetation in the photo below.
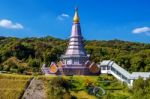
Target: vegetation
{"x": 75, "y": 87}
{"x": 28, "y": 54}
{"x": 141, "y": 89}
{"x": 12, "y": 86}
{"x": 67, "y": 87}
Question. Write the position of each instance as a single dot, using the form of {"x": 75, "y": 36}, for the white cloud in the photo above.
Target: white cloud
{"x": 10, "y": 25}
{"x": 141, "y": 30}
{"x": 63, "y": 16}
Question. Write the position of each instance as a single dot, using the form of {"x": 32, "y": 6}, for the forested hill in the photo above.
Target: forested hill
{"x": 28, "y": 54}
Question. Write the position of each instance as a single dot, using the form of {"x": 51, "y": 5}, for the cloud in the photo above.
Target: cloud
{"x": 10, "y": 25}
{"x": 63, "y": 16}
{"x": 145, "y": 30}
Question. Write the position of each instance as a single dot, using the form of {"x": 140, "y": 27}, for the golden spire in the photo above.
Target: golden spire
{"x": 76, "y": 17}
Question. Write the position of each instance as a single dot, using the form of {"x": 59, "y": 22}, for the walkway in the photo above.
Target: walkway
{"x": 35, "y": 90}
{"x": 110, "y": 67}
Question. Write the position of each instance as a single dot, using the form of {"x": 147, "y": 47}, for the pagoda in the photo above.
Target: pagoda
{"x": 75, "y": 54}
{"x": 75, "y": 60}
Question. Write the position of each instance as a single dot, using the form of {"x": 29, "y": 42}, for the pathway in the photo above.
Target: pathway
{"x": 35, "y": 90}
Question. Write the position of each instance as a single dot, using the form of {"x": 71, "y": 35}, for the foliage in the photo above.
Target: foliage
{"x": 36, "y": 51}
{"x": 14, "y": 65}
{"x": 141, "y": 89}
{"x": 74, "y": 87}
{"x": 59, "y": 88}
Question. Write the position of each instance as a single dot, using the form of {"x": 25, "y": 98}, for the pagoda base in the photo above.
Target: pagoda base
{"x": 75, "y": 71}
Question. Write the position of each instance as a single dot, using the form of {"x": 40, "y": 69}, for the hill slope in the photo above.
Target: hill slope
{"x": 27, "y": 54}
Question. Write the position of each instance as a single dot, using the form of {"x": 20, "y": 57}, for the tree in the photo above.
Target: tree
{"x": 14, "y": 65}
{"x": 137, "y": 63}
{"x": 141, "y": 89}
{"x": 34, "y": 64}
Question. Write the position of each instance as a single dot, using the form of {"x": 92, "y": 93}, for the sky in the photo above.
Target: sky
{"x": 127, "y": 20}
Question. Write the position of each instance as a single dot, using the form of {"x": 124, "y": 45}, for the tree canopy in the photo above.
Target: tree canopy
{"x": 34, "y": 52}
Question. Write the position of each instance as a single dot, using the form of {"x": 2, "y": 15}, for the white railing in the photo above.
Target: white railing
{"x": 120, "y": 76}
{"x": 118, "y": 72}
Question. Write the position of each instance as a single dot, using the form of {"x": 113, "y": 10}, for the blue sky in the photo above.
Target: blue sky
{"x": 100, "y": 19}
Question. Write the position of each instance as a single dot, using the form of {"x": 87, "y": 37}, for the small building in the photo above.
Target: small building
{"x": 105, "y": 66}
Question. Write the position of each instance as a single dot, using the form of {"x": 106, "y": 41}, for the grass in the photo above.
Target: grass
{"x": 12, "y": 86}
{"x": 82, "y": 95}
{"x": 115, "y": 88}
{"x": 79, "y": 92}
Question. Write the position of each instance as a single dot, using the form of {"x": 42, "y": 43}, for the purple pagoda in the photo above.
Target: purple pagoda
{"x": 75, "y": 61}
{"x": 75, "y": 54}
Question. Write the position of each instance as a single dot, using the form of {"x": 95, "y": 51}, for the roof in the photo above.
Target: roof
{"x": 121, "y": 70}
{"x": 136, "y": 75}
{"x": 116, "y": 67}
{"x": 106, "y": 63}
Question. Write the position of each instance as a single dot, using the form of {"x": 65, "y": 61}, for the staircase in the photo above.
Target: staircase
{"x": 117, "y": 71}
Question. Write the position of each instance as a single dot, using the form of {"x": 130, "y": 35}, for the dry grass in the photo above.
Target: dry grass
{"x": 82, "y": 95}
{"x": 12, "y": 86}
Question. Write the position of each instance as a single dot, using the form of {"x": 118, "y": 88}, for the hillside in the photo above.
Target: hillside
{"x": 21, "y": 55}
{"x": 14, "y": 86}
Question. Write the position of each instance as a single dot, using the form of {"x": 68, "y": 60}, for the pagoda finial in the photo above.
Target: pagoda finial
{"x": 76, "y": 17}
